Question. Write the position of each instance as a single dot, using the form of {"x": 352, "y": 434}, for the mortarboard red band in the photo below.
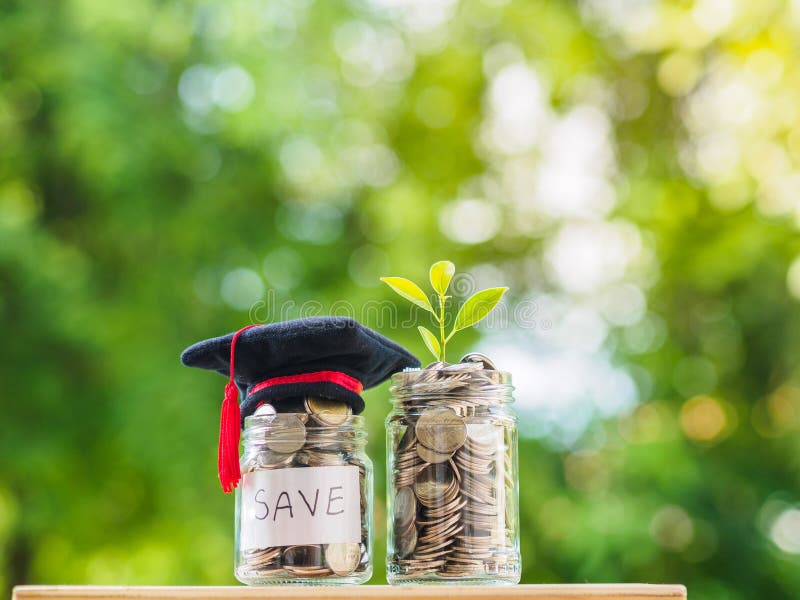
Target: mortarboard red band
{"x": 341, "y": 379}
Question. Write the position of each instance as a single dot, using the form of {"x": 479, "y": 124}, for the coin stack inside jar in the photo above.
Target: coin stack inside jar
{"x": 453, "y": 489}
{"x": 307, "y": 432}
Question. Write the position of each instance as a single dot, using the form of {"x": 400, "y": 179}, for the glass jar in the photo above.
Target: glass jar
{"x": 304, "y": 507}
{"x": 452, "y": 514}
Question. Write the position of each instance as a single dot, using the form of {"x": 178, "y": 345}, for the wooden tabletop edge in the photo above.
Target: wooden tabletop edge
{"x": 629, "y": 591}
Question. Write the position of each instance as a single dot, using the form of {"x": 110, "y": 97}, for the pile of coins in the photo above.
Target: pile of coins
{"x": 451, "y": 473}
{"x": 309, "y": 561}
{"x": 306, "y": 432}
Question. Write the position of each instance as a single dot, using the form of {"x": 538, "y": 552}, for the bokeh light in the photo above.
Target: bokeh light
{"x": 704, "y": 419}
{"x": 630, "y": 169}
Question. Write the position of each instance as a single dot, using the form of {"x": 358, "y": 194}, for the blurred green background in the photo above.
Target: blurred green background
{"x": 630, "y": 168}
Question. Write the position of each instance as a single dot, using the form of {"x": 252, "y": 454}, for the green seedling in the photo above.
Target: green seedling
{"x": 471, "y": 312}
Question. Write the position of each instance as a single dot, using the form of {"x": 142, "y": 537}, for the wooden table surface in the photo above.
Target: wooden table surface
{"x": 364, "y": 592}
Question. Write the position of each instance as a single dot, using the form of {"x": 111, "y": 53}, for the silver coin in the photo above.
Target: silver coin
{"x": 463, "y": 367}
{"x": 405, "y": 507}
{"x": 435, "y": 366}
{"x": 265, "y": 410}
{"x": 287, "y": 433}
{"x": 475, "y": 357}
{"x": 406, "y": 542}
{"x": 343, "y": 558}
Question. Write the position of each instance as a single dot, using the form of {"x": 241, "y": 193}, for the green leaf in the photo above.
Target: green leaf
{"x": 430, "y": 341}
{"x": 409, "y": 290}
{"x": 441, "y": 274}
{"x": 477, "y": 307}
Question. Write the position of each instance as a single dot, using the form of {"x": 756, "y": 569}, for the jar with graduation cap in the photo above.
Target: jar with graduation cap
{"x": 304, "y": 482}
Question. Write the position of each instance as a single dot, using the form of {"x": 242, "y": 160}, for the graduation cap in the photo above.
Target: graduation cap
{"x": 330, "y": 357}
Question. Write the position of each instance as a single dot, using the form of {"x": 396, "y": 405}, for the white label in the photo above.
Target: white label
{"x": 308, "y": 505}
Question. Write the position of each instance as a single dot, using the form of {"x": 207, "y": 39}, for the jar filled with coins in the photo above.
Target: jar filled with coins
{"x": 303, "y": 510}
{"x": 453, "y": 481}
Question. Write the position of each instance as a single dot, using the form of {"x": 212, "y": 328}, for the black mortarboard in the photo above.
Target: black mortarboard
{"x": 331, "y": 357}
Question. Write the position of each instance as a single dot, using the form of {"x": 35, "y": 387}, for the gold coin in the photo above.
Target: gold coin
{"x": 455, "y": 505}
{"x": 287, "y": 433}
{"x": 432, "y": 483}
{"x": 343, "y": 558}
{"x": 441, "y": 429}
{"x": 431, "y": 456}
{"x": 433, "y": 550}
{"x": 419, "y": 565}
{"x": 328, "y": 412}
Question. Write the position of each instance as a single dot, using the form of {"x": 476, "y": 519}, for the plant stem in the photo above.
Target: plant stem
{"x": 441, "y": 328}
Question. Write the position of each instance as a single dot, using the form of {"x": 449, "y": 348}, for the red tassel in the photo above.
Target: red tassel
{"x": 229, "y": 429}
{"x": 228, "y": 463}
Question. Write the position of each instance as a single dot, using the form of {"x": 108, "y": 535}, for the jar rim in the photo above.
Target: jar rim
{"x": 416, "y": 387}
{"x": 407, "y": 376}
{"x": 352, "y": 422}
